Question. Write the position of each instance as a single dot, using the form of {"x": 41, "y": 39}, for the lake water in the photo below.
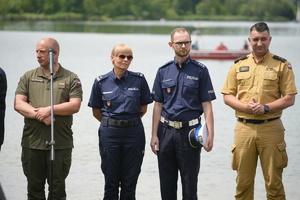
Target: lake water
{"x": 87, "y": 54}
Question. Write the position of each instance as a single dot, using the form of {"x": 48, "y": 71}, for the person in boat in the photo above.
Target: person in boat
{"x": 195, "y": 45}
{"x": 245, "y": 47}
{"x": 221, "y": 47}
{"x": 259, "y": 87}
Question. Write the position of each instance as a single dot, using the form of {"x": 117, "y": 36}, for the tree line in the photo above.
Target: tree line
{"x": 267, "y": 10}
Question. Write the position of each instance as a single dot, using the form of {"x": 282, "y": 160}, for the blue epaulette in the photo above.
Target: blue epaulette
{"x": 197, "y": 63}
{"x": 279, "y": 58}
{"x": 168, "y": 63}
{"x": 241, "y": 58}
{"x": 139, "y": 74}
{"x": 102, "y": 77}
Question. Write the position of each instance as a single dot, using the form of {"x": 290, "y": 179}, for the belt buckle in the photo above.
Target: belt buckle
{"x": 177, "y": 125}
{"x": 193, "y": 122}
{"x": 124, "y": 123}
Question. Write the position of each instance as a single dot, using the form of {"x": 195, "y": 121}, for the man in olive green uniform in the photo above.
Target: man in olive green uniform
{"x": 264, "y": 85}
{"x": 32, "y": 100}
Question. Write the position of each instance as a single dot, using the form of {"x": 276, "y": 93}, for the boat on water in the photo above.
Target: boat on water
{"x": 218, "y": 54}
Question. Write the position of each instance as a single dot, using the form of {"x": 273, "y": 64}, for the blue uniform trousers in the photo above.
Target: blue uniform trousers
{"x": 122, "y": 152}
{"x": 175, "y": 153}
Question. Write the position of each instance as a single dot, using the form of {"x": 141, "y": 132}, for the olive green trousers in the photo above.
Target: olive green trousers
{"x": 36, "y": 167}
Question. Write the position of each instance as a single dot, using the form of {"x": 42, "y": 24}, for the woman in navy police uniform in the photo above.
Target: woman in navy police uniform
{"x": 119, "y": 99}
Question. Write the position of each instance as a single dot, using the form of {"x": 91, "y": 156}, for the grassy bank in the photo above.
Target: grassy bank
{"x": 82, "y": 17}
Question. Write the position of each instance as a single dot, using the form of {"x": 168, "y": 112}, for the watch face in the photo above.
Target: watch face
{"x": 266, "y": 108}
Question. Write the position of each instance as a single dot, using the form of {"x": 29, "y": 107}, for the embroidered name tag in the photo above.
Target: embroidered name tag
{"x": 109, "y": 92}
{"x": 270, "y": 69}
{"x": 61, "y": 85}
{"x": 37, "y": 80}
{"x": 166, "y": 80}
{"x": 244, "y": 69}
{"x": 133, "y": 88}
{"x": 192, "y": 78}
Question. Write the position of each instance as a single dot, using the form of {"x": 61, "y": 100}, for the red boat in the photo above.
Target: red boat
{"x": 218, "y": 54}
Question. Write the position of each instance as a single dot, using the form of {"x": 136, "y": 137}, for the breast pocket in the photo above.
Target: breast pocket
{"x": 168, "y": 89}
{"x": 243, "y": 80}
{"x": 133, "y": 97}
{"x": 111, "y": 101}
{"x": 190, "y": 88}
{"x": 270, "y": 80}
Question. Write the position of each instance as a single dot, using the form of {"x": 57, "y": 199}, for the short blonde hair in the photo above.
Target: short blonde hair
{"x": 121, "y": 48}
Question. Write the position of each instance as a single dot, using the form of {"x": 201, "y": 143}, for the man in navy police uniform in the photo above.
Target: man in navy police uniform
{"x": 182, "y": 91}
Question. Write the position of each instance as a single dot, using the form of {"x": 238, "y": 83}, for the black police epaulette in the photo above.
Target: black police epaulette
{"x": 279, "y": 58}
{"x": 102, "y": 77}
{"x": 168, "y": 63}
{"x": 139, "y": 74}
{"x": 197, "y": 63}
{"x": 241, "y": 58}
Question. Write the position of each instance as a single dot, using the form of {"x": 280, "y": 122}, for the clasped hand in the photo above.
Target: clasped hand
{"x": 255, "y": 108}
{"x": 43, "y": 115}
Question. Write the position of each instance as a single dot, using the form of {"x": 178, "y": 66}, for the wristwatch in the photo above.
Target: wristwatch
{"x": 266, "y": 108}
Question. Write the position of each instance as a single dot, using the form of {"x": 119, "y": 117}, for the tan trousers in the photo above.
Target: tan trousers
{"x": 265, "y": 141}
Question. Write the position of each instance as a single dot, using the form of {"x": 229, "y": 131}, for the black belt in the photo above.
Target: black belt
{"x": 256, "y": 121}
{"x": 123, "y": 123}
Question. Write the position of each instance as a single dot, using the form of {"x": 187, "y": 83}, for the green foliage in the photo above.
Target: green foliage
{"x": 210, "y": 7}
{"x": 7, "y": 6}
{"x": 265, "y": 10}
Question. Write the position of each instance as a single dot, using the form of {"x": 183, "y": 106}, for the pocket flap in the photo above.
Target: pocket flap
{"x": 233, "y": 146}
{"x": 281, "y": 146}
{"x": 243, "y": 75}
{"x": 270, "y": 75}
{"x": 168, "y": 84}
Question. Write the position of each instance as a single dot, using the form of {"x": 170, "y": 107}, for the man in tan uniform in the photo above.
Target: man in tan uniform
{"x": 32, "y": 100}
{"x": 259, "y": 87}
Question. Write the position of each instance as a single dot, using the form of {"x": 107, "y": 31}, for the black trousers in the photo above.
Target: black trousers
{"x": 2, "y": 196}
{"x": 175, "y": 154}
{"x": 122, "y": 152}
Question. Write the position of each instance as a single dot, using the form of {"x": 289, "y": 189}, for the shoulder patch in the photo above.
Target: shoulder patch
{"x": 102, "y": 77}
{"x": 168, "y": 63}
{"x": 279, "y": 58}
{"x": 241, "y": 58}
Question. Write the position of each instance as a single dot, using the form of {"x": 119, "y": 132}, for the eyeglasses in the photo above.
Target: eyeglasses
{"x": 123, "y": 57}
{"x": 186, "y": 43}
